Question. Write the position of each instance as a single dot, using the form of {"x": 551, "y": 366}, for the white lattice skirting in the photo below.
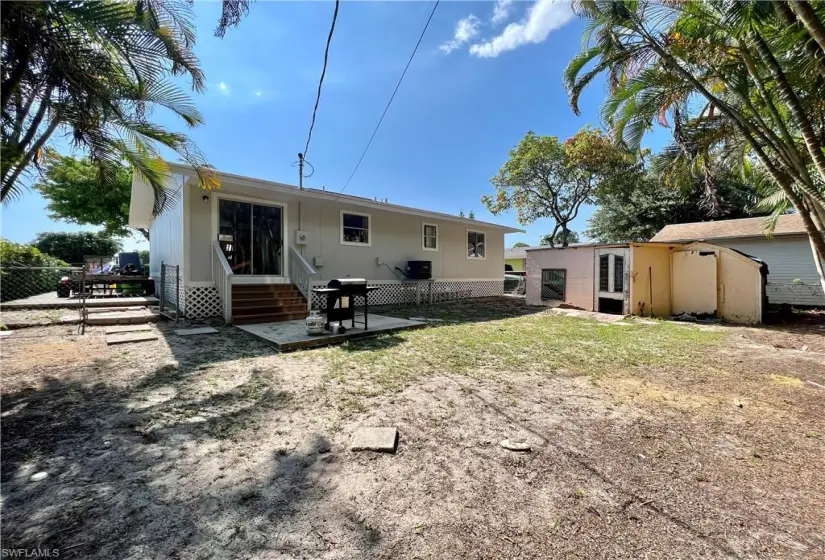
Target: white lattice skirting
{"x": 404, "y": 293}
{"x": 202, "y": 302}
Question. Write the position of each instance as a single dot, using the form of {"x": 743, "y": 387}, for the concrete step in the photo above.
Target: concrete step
{"x": 123, "y": 317}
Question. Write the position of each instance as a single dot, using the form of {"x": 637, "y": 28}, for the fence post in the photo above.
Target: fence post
{"x": 83, "y": 312}
{"x": 177, "y": 293}
{"x": 162, "y": 287}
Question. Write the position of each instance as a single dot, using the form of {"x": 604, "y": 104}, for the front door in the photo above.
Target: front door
{"x": 251, "y": 237}
{"x": 694, "y": 282}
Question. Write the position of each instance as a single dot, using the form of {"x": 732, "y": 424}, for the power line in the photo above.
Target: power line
{"x": 323, "y": 73}
{"x": 398, "y": 85}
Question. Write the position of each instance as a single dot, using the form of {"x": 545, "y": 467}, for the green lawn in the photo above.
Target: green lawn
{"x": 479, "y": 340}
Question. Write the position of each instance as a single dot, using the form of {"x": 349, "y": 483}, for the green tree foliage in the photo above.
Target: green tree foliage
{"x": 19, "y": 283}
{"x": 520, "y": 244}
{"x": 572, "y": 237}
{"x": 638, "y": 212}
{"x": 96, "y": 70}
{"x": 740, "y": 82}
{"x": 72, "y": 247}
{"x": 144, "y": 259}
{"x": 545, "y": 178}
{"x": 75, "y": 194}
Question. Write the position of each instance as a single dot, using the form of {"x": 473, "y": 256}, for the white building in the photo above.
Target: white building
{"x": 260, "y": 239}
{"x": 792, "y": 276}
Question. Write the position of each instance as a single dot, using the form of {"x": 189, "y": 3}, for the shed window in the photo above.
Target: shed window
{"x": 475, "y": 244}
{"x": 604, "y": 273}
{"x": 552, "y": 283}
{"x": 355, "y": 229}
{"x": 430, "y": 237}
{"x": 618, "y": 273}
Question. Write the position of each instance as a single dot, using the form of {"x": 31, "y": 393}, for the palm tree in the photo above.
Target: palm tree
{"x": 740, "y": 80}
{"x": 95, "y": 70}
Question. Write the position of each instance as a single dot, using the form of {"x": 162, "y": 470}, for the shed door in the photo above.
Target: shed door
{"x": 694, "y": 282}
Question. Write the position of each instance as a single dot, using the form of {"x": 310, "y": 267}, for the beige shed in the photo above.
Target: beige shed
{"x": 650, "y": 279}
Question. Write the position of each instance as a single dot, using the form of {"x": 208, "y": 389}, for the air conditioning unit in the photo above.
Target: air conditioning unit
{"x": 301, "y": 237}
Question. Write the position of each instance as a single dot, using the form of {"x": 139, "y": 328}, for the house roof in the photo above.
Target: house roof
{"x": 516, "y": 252}
{"x": 788, "y": 224}
{"x": 323, "y": 195}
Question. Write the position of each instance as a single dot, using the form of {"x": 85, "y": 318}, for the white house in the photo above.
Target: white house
{"x": 792, "y": 276}
{"x": 267, "y": 244}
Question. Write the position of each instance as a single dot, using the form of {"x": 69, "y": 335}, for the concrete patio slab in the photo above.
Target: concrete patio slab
{"x": 195, "y": 331}
{"x": 375, "y": 439}
{"x": 292, "y": 335}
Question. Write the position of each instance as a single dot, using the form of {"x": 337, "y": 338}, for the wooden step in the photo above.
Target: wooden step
{"x": 267, "y": 318}
{"x": 269, "y": 288}
{"x": 252, "y": 301}
{"x": 269, "y": 308}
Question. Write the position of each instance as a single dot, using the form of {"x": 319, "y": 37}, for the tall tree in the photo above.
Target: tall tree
{"x": 741, "y": 80}
{"x": 75, "y": 194}
{"x": 95, "y": 70}
{"x": 72, "y": 247}
{"x": 545, "y": 178}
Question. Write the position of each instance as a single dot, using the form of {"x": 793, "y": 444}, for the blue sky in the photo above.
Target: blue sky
{"x": 485, "y": 74}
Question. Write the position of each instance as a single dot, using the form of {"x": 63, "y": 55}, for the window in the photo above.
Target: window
{"x": 475, "y": 244}
{"x": 604, "y": 273}
{"x": 552, "y": 283}
{"x": 430, "y": 242}
{"x": 355, "y": 229}
{"x": 618, "y": 273}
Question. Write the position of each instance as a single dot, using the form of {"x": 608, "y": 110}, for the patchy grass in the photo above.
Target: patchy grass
{"x": 544, "y": 343}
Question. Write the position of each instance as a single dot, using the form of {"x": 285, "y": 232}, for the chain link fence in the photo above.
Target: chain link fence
{"x": 38, "y": 285}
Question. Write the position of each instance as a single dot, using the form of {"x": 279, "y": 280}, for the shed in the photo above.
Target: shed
{"x": 793, "y": 278}
{"x": 649, "y": 279}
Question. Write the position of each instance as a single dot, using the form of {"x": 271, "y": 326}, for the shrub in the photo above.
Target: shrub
{"x": 15, "y": 282}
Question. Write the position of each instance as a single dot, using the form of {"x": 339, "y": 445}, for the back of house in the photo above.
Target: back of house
{"x": 268, "y": 244}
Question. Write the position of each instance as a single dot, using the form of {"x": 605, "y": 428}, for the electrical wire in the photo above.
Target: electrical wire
{"x": 398, "y": 85}
{"x": 323, "y": 73}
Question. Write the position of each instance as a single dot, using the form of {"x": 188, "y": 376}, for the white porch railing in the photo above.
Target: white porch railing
{"x": 300, "y": 274}
{"x": 222, "y": 275}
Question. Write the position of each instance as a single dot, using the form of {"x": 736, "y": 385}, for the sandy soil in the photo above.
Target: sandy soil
{"x": 217, "y": 447}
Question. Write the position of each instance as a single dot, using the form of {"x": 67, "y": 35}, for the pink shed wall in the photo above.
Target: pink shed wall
{"x": 577, "y": 261}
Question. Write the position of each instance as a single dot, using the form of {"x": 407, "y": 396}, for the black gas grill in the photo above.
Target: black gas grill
{"x": 341, "y": 295}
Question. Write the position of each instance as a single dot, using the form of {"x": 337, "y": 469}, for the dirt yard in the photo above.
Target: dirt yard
{"x": 649, "y": 440}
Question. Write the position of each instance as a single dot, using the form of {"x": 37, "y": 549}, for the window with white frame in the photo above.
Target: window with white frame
{"x": 430, "y": 241}
{"x": 475, "y": 244}
{"x": 355, "y": 229}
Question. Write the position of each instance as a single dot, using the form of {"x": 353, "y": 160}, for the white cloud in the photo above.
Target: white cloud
{"x": 543, "y": 17}
{"x": 501, "y": 11}
{"x": 224, "y": 88}
{"x": 465, "y": 29}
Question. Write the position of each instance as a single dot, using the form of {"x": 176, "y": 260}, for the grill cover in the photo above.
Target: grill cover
{"x": 346, "y": 282}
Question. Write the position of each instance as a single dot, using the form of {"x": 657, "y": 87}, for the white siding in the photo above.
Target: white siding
{"x": 166, "y": 232}
{"x": 792, "y": 276}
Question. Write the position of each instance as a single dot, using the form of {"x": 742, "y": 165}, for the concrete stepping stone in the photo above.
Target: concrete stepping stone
{"x": 375, "y": 439}
{"x": 194, "y": 331}
{"x": 127, "y": 328}
{"x": 122, "y": 338}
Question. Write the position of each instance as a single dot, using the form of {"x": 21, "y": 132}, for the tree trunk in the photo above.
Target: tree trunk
{"x": 808, "y": 17}
{"x": 789, "y": 97}
{"x": 811, "y": 48}
{"x": 20, "y": 166}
